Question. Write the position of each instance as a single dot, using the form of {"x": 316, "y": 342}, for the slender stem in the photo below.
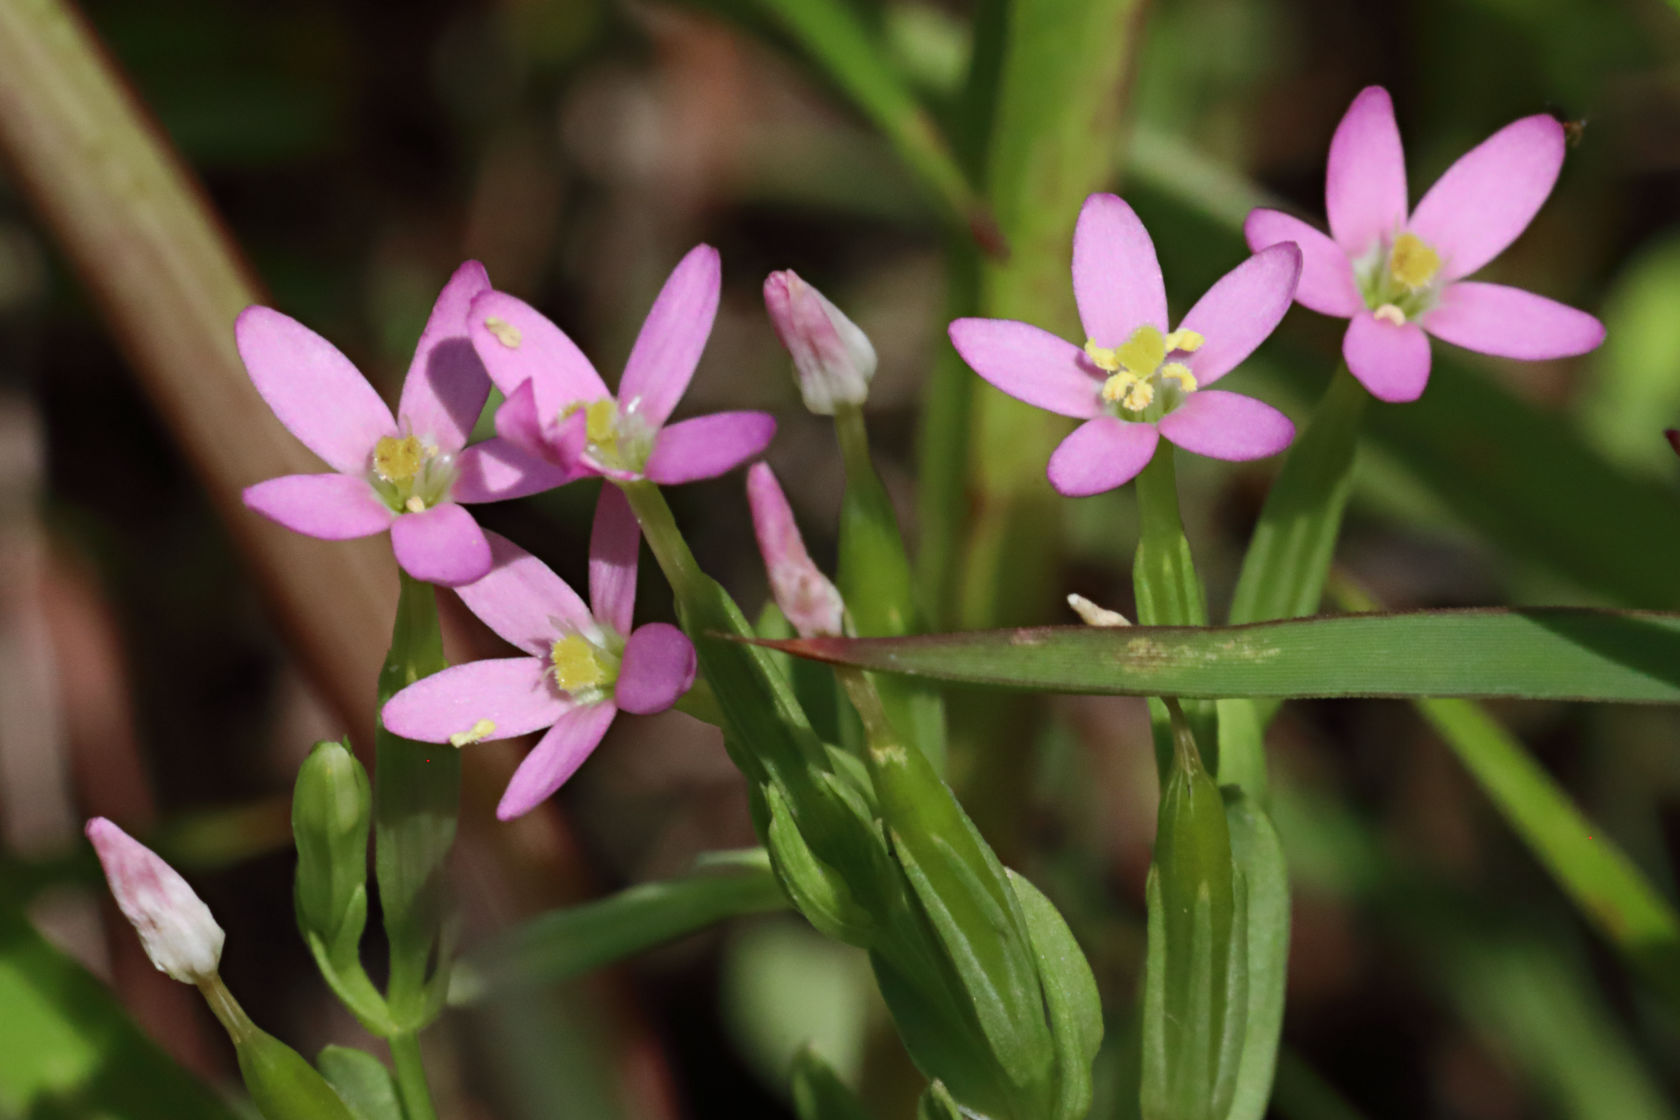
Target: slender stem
{"x": 411, "y": 1077}
{"x": 664, "y": 538}
{"x": 853, "y": 434}
{"x": 226, "y": 1009}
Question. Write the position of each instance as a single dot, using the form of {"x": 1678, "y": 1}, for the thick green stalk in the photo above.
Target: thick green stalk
{"x": 1169, "y": 593}
{"x": 410, "y": 1076}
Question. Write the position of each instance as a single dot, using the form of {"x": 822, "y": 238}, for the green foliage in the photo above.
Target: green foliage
{"x": 361, "y": 1081}
{"x": 282, "y": 1084}
{"x": 818, "y": 1092}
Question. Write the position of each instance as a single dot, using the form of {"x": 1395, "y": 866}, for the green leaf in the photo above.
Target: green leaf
{"x": 68, "y": 1048}
{"x": 936, "y": 1104}
{"x": 1555, "y": 653}
{"x": 571, "y": 941}
{"x": 833, "y": 36}
{"x": 361, "y": 1081}
{"x": 818, "y": 891}
{"x": 1071, "y": 999}
{"x": 818, "y": 1092}
{"x": 1259, "y": 856}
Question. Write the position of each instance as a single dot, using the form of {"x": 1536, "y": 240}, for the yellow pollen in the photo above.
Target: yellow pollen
{"x": 397, "y": 460}
{"x": 1412, "y": 263}
{"x": 415, "y": 504}
{"x": 1180, "y": 373}
{"x": 1389, "y": 313}
{"x": 1138, "y": 397}
{"x": 1187, "y": 342}
{"x": 1143, "y": 352}
{"x": 506, "y": 333}
{"x": 601, "y": 424}
{"x": 576, "y": 665}
{"x": 483, "y": 729}
{"x": 1102, "y": 357}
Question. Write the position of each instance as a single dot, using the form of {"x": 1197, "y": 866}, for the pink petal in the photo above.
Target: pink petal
{"x": 333, "y": 507}
{"x": 442, "y": 545}
{"x": 1365, "y": 176}
{"x": 560, "y": 443}
{"x": 1030, "y": 364}
{"x": 1116, "y": 278}
{"x": 518, "y": 344}
{"x": 658, "y": 667}
{"x": 613, "y": 544}
{"x": 447, "y": 386}
{"x": 673, "y": 335}
{"x": 522, "y": 599}
{"x": 496, "y": 470}
{"x": 1391, "y": 361}
{"x": 1326, "y": 275}
{"x": 1241, "y": 309}
{"x": 1225, "y": 425}
{"x": 1511, "y": 323}
{"x": 517, "y": 694}
{"x": 1490, "y": 195}
{"x": 313, "y": 389}
{"x": 809, "y": 600}
{"x": 1100, "y": 455}
{"x": 571, "y": 740}
{"x": 708, "y": 446}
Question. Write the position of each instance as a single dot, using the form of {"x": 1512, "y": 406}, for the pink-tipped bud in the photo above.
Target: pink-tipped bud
{"x": 834, "y": 359}
{"x": 806, "y": 596}
{"x": 175, "y": 926}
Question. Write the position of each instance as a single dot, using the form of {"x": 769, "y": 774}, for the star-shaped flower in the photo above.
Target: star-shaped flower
{"x": 582, "y": 664}
{"x": 559, "y": 408}
{"x": 1136, "y": 380}
{"x": 1400, "y": 278}
{"x": 406, "y": 473}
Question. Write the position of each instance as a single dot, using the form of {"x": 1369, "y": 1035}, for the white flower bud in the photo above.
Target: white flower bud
{"x": 834, "y": 359}
{"x": 175, "y": 926}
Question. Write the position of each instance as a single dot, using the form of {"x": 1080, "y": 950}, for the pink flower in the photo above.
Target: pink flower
{"x": 807, "y": 597}
{"x": 1135, "y": 380}
{"x": 581, "y": 665}
{"x": 558, "y": 407}
{"x": 1399, "y": 279}
{"x": 405, "y": 473}
{"x": 175, "y": 927}
{"x": 834, "y": 358}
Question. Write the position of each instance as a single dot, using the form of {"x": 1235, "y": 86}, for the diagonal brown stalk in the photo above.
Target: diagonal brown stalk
{"x": 144, "y": 242}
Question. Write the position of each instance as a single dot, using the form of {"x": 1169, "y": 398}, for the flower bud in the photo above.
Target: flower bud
{"x": 834, "y": 359}
{"x": 330, "y": 809}
{"x": 175, "y": 926}
{"x": 811, "y": 602}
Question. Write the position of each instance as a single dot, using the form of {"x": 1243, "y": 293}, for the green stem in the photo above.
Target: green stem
{"x": 1168, "y": 591}
{"x": 411, "y": 1077}
{"x": 666, "y": 540}
{"x": 226, "y": 1009}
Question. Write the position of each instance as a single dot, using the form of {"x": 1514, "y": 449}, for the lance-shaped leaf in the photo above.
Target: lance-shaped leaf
{"x": 1539, "y": 653}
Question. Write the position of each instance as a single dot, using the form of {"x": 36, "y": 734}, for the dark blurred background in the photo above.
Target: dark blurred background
{"x": 358, "y": 151}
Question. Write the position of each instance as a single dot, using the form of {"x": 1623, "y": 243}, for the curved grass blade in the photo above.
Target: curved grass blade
{"x": 1549, "y": 653}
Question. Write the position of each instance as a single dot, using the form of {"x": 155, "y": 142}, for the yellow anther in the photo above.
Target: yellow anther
{"x": 1187, "y": 342}
{"x": 1143, "y": 352}
{"x": 1412, "y": 263}
{"x": 415, "y": 504}
{"x": 1138, "y": 397}
{"x": 506, "y": 333}
{"x": 577, "y": 664}
{"x": 483, "y": 729}
{"x": 397, "y": 460}
{"x": 1102, "y": 357}
{"x": 1180, "y": 373}
{"x": 601, "y": 425}
{"x": 1389, "y": 313}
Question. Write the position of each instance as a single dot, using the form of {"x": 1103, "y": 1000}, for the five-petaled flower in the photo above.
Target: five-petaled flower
{"x": 404, "y": 473}
{"x": 1136, "y": 380}
{"x": 581, "y": 665}
{"x": 1399, "y": 278}
{"x": 559, "y": 408}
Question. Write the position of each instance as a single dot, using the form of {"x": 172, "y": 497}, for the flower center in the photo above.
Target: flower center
{"x": 1401, "y": 280}
{"x": 1141, "y": 382}
{"x": 409, "y": 474}
{"x": 586, "y": 666}
{"x": 616, "y": 440}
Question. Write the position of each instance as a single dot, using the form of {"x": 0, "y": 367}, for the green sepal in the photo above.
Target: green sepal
{"x": 332, "y": 804}
{"x": 976, "y": 919}
{"x": 817, "y": 891}
{"x": 936, "y": 1103}
{"x": 282, "y": 1084}
{"x": 1259, "y": 857}
{"x": 818, "y": 1092}
{"x": 944, "y": 1039}
{"x": 1071, "y": 1000}
{"x": 361, "y": 1081}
